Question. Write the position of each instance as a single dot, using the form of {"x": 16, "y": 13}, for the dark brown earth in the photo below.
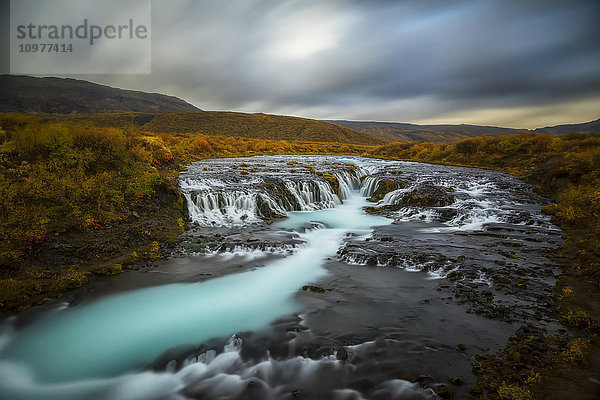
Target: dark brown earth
{"x": 70, "y": 259}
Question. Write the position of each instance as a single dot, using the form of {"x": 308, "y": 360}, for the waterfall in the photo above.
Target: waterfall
{"x": 233, "y": 201}
{"x": 312, "y": 195}
{"x": 369, "y": 185}
{"x": 222, "y": 196}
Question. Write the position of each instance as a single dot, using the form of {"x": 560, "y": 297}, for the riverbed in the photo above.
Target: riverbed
{"x": 303, "y": 277}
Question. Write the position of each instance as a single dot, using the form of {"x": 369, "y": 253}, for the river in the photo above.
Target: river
{"x": 300, "y": 277}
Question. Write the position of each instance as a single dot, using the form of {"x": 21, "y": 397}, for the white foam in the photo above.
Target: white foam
{"x": 426, "y": 215}
{"x": 483, "y": 278}
{"x": 211, "y": 202}
{"x": 251, "y": 253}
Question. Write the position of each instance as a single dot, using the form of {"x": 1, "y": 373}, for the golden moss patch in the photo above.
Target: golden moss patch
{"x": 112, "y": 269}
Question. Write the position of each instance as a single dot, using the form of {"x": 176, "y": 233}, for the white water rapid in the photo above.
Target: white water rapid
{"x": 266, "y": 227}
{"x": 93, "y": 350}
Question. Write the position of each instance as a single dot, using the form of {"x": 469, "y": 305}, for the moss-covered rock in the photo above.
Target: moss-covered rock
{"x": 428, "y": 196}
{"x": 109, "y": 270}
{"x": 333, "y": 182}
{"x": 313, "y": 288}
{"x": 383, "y": 188}
{"x": 444, "y": 392}
{"x": 71, "y": 280}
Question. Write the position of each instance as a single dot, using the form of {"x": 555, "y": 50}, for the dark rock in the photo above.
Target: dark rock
{"x": 362, "y": 385}
{"x": 427, "y": 196}
{"x": 333, "y": 182}
{"x": 523, "y": 331}
{"x": 342, "y": 353}
{"x": 108, "y": 270}
{"x": 455, "y": 380}
{"x": 383, "y": 188}
{"x": 424, "y": 379}
{"x": 444, "y": 392}
{"x": 313, "y": 288}
{"x": 372, "y": 261}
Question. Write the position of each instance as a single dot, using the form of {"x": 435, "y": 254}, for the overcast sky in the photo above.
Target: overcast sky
{"x": 512, "y": 63}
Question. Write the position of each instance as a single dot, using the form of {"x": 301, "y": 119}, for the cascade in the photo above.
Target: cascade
{"x": 225, "y": 201}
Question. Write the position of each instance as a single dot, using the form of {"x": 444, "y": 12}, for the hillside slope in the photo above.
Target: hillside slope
{"x": 586, "y": 127}
{"x": 258, "y": 126}
{"x": 404, "y": 132}
{"x": 223, "y": 123}
{"x": 26, "y": 94}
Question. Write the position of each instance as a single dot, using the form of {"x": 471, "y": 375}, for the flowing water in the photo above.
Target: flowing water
{"x": 283, "y": 286}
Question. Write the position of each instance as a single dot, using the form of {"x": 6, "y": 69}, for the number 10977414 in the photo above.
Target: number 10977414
{"x": 45, "y": 48}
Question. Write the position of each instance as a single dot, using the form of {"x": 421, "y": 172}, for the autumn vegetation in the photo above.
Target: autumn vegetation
{"x": 64, "y": 181}
{"x": 223, "y": 123}
{"x": 109, "y": 178}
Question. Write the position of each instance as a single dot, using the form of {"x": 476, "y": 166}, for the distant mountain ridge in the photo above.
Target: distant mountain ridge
{"x": 26, "y": 94}
{"x": 406, "y": 132}
{"x": 586, "y": 127}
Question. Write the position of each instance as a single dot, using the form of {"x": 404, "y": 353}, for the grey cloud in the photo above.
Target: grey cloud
{"x": 457, "y": 54}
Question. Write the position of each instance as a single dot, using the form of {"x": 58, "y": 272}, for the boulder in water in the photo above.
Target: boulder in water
{"x": 333, "y": 182}
{"x": 383, "y": 188}
{"x": 427, "y": 196}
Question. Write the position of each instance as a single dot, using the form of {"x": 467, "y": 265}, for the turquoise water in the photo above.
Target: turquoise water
{"x": 81, "y": 351}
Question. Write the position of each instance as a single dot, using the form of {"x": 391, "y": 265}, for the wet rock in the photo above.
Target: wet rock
{"x": 424, "y": 379}
{"x": 40, "y": 301}
{"x": 362, "y": 385}
{"x": 255, "y": 389}
{"x": 372, "y": 210}
{"x": 523, "y": 331}
{"x": 454, "y": 275}
{"x": 341, "y": 353}
{"x": 333, "y": 182}
{"x": 446, "y": 214}
{"x": 383, "y": 188}
{"x": 427, "y": 196}
{"x": 444, "y": 391}
{"x": 372, "y": 261}
{"x": 313, "y": 288}
{"x": 455, "y": 380}
{"x": 108, "y": 270}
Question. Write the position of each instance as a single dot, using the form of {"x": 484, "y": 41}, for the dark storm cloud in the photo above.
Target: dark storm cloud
{"x": 391, "y": 60}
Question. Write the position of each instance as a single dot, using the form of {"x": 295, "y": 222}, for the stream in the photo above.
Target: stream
{"x": 303, "y": 277}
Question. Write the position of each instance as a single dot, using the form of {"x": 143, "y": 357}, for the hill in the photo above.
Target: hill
{"x": 82, "y": 102}
{"x": 586, "y": 127}
{"x": 223, "y": 123}
{"x": 26, "y": 94}
{"x": 404, "y": 132}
